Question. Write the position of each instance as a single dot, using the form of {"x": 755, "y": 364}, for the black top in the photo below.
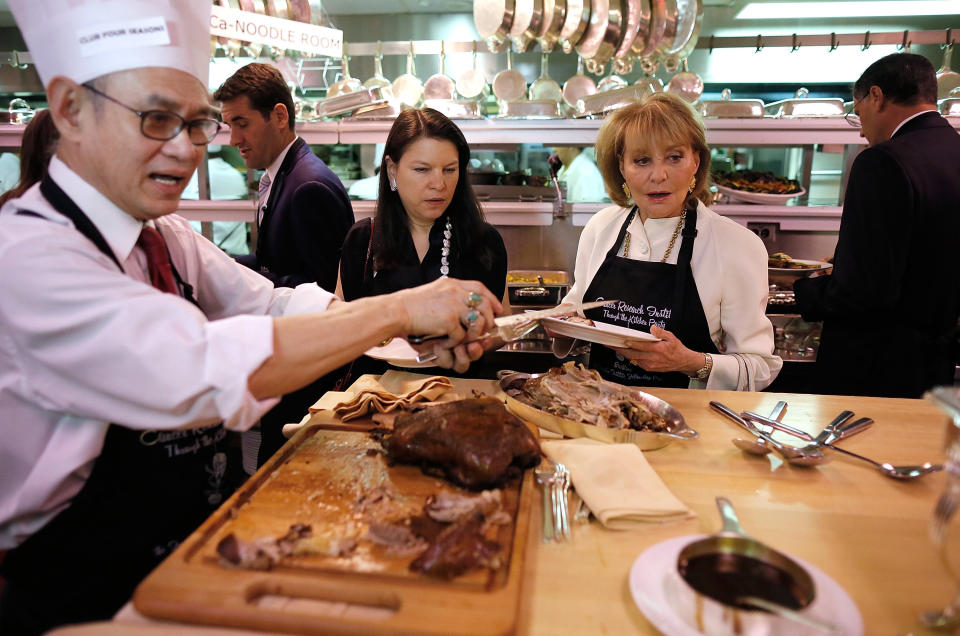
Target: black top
{"x": 464, "y": 264}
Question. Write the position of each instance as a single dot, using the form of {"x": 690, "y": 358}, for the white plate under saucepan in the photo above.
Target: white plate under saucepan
{"x": 399, "y": 353}
{"x": 654, "y": 576}
{"x": 734, "y": 195}
{"x": 600, "y": 332}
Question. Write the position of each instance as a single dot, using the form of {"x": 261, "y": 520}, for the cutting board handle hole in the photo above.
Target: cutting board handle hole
{"x": 324, "y": 602}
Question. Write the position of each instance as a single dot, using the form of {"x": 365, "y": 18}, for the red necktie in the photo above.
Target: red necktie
{"x": 158, "y": 260}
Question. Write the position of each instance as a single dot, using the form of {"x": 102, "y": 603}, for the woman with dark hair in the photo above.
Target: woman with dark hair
{"x": 37, "y": 145}
{"x": 428, "y": 223}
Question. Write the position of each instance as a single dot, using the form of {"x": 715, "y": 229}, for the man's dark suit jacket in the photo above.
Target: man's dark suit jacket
{"x": 304, "y": 223}
{"x": 891, "y": 306}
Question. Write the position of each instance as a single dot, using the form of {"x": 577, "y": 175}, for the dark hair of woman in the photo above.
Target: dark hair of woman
{"x": 391, "y": 221}
{"x": 37, "y": 146}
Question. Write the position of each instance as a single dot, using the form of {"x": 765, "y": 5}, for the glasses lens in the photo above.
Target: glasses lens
{"x": 160, "y": 124}
{"x": 202, "y": 131}
{"x": 852, "y": 119}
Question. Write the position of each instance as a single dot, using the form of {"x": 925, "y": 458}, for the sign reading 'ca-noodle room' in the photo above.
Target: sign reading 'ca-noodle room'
{"x": 280, "y": 34}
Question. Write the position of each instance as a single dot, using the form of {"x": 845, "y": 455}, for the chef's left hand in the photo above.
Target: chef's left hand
{"x": 668, "y": 354}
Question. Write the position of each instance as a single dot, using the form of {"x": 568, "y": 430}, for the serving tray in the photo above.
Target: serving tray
{"x": 311, "y": 480}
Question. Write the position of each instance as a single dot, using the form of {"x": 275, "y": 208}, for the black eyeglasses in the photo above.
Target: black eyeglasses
{"x": 163, "y": 125}
{"x": 852, "y": 118}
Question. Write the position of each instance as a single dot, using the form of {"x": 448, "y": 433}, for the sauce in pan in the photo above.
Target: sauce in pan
{"x": 727, "y": 577}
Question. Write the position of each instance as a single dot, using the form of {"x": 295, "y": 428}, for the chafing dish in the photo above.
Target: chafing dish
{"x": 602, "y": 103}
{"x": 950, "y": 107}
{"x": 803, "y": 106}
{"x": 526, "y": 287}
{"x": 531, "y": 109}
{"x": 726, "y": 107}
{"x": 349, "y": 102}
{"x": 456, "y": 108}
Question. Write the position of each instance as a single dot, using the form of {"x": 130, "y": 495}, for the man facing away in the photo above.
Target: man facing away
{"x": 891, "y": 306}
{"x": 303, "y": 214}
{"x": 128, "y": 338}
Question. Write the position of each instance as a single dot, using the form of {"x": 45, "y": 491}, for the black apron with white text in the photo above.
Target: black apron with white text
{"x": 649, "y": 293}
{"x": 147, "y": 491}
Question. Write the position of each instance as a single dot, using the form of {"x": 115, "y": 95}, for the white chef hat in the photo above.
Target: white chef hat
{"x": 84, "y": 39}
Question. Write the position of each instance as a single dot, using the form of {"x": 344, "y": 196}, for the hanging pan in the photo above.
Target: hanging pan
{"x": 407, "y": 88}
{"x": 592, "y": 39}
{"x": 471, "y": 83}
{"x": 378, "y": 80}
{"x": 947, "y": 80}
{"x": 440, "y": 85}
{"x": 578, "y": 86}
{"x": 509, "y": 85}
{"x": 545, "y": 87}
{"x": 686, "y": 84}
{"x": 689, "y": 19}
{"x": 575, "y": 23}
{"x": 644, "y": 49}
{"x": 637, "y": 14}
{"x": 550, "y": 24}
{"x": 346, "y": 84}
{"x": 527, "y": 16}
{"x": 493, "y": 19}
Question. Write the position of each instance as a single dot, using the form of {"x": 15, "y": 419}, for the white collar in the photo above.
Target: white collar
{"x": 274, "y": 167}
{"x": 913, "y": 116}
{"x": 119, "y": 229}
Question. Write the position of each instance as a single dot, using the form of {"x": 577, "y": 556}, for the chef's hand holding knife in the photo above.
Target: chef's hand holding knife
{"x": 460, "y": 310}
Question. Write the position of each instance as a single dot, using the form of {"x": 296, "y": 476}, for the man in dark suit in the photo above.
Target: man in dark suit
{"x": 890, "y": 309}
{"x": 303, "y": 212}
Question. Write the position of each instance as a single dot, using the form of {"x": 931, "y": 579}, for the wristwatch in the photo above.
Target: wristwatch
{"x": 704, "y": 372}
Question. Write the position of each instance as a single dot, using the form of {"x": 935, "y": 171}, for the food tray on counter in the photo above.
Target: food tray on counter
{"x": 312, "y": 480}
{"x": 645, "y": 440}
{"x": 762, "y": 198}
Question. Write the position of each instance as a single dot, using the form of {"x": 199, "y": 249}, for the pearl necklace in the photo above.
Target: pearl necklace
{"x": 445, "y": 250}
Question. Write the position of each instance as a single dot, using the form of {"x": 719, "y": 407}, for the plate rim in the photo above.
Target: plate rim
{"x": 624, "y": 340}
{"x": 767, "y": 196}
{"x": 672, "y": 622}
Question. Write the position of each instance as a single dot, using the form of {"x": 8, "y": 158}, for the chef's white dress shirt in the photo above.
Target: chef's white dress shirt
{"x": 583, "y": 180}
{"x": 81, "y": 347}
{"x": 729, "y": 265}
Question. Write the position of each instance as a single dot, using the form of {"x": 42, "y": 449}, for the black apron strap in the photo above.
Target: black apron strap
{"x": 65, "y": 206}
{"x": 689, "y": 234}
{"x": 615, "y": 248}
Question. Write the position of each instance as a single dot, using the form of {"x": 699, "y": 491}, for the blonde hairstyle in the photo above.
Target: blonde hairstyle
{"x": 663, "y": 120}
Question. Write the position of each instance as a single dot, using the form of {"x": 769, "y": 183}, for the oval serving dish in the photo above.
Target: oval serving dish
{"x": 510, "y": 383}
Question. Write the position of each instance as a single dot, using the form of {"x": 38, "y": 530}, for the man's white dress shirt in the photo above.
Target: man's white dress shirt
{"x": 82, "y": 346}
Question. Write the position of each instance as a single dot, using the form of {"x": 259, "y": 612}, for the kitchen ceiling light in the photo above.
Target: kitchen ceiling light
{"x": 844, "y": 9}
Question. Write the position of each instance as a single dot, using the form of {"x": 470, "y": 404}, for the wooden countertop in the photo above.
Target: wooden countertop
{"x": 866, "y": 531}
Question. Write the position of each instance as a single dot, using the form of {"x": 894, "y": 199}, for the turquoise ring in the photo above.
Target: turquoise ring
{"x": 474, "y": 299}
{"x": 472, "y": 317}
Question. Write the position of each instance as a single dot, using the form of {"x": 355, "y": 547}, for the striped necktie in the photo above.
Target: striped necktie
{"x": 262, "y": 195}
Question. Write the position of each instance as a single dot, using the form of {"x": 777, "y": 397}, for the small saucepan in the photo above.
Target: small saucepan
{"x": 721, "y": 570}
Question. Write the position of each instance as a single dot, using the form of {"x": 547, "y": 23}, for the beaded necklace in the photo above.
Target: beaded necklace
{"x": 445, "y": 250}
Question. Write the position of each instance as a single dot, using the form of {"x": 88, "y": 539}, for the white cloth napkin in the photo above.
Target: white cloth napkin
{"x": 616, "y": 483}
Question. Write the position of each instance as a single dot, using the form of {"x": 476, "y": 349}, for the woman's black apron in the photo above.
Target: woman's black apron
{"x": 147, "y": 492}
{"x": 650, "y": 293}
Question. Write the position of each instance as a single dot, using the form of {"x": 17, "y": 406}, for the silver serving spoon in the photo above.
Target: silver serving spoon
{"x": 790, "y": 454}
{"x": 758, "y": 446}
{"x": 894, "y": 472}
{"x": 789, "y": 614}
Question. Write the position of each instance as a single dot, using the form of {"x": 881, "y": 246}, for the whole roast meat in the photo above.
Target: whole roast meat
{"x": 473, "y": 443}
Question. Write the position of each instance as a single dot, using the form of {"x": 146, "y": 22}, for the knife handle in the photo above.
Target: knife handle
{"x": 852, "y": 428}
{"x": 780, "y": 426}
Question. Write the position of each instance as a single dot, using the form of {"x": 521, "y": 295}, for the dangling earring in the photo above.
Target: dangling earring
{"x": 693, "y": 184}
{"x": 393, "y": 185}
{"x": 626, "y": 190}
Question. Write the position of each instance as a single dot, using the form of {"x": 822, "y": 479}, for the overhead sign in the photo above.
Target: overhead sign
{"x": 280, "y": 34}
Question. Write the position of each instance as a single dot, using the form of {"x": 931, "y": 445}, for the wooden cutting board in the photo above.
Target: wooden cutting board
{"x": 316, "y": 479}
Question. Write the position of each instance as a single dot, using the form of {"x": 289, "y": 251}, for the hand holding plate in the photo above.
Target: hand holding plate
{"x": 668, "y": 354}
